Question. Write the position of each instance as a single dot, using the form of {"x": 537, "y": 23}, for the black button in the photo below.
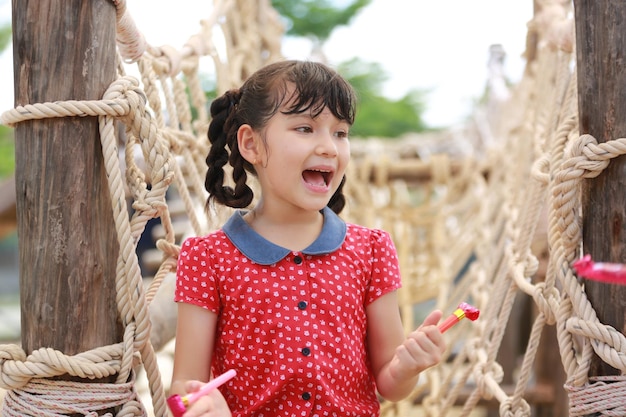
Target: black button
{"x": 306, "y": 396}
{"x": 302, "y": 305}
{"x": 306, "y": 351}
{"x": 297, "y": 259}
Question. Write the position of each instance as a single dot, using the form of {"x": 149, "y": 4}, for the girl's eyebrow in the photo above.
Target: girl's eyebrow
{"x": 304, "y": 115}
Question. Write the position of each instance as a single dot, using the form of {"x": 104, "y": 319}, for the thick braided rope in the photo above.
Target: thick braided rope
{"x": 131, "y": 42}
{"x": 556, "y": 117}
{"x": 523, "y": 264}
{"x": 50, "y": 398}
{"x": 129, "y": 285}
{"x": 31, "y": 391}
{"x": 487, "y": 372}
{"x": 569, "y": 234}
{"x": 587, "y": 159}
{"x": 48, "y": 110}
{"x": 606, "y": 396}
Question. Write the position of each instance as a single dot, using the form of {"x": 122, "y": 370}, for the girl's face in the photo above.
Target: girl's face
{"x": 303, "y": 159}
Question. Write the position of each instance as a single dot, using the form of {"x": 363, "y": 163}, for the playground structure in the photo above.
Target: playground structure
{"x": 495, "y": 225}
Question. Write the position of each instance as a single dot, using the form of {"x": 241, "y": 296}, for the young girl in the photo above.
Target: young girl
{"x": 300, "y": 304}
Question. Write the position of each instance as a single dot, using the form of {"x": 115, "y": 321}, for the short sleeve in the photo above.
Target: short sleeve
{"x": 385, "y": 276}
{"x": 196, "y": 281}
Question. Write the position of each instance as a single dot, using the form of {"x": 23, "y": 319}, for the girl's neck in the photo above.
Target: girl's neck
{"x": 294, "y": 231}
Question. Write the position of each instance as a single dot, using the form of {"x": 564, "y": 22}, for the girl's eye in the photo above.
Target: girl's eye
{"x": 304, "y": 129}
{"x": 342, "y": 134}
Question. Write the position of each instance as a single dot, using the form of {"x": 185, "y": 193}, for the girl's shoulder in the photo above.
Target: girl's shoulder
{"x": 204, "y": 243}
{"x": 360, "y": 232}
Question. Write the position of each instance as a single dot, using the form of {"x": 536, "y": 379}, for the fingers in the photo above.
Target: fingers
{"x": 425, "y": 346}
{"x": 421, "y": 349}
{"x": 433, "y": 318}
{"x": 193, "y": 386}
{"x": 212, "y": 404}
{"x": 427, "y": 341}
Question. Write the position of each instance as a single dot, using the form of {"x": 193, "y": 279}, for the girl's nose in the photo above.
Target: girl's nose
{"x": 327, "y": 146}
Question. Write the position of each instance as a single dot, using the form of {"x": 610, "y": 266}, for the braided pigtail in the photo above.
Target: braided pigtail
{"x": 338, "y": 200}
{"x": 223, "y": 138}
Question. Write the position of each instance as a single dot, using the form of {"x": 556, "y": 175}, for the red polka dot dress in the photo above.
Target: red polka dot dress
{"x": 292, "y": 324}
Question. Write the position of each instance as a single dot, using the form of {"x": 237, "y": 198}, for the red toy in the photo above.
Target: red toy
{"x": 179, "y": 404}
{"x": 464, "y": 310}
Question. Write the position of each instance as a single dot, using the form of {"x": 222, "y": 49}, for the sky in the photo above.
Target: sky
{"x": 440, "y": 47}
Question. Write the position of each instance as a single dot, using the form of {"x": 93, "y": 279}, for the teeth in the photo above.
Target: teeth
{"x": 325, "y": 174}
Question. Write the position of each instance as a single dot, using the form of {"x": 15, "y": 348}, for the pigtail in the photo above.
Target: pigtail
{"x": 223, "y": 137}
{"x": 338, "y": 200}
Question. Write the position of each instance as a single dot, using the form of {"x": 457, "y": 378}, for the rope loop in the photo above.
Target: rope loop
{"x": 509, "y": 409}
{"x": 170, "y": 249}
{"x": 531, "y": 264}
{"x": 541, "y": 170}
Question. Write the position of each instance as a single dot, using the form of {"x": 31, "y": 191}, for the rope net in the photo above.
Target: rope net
{"x": 491, "y": 226}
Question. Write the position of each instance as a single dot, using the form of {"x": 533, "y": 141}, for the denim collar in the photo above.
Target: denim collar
{"x": 264, "y": 252}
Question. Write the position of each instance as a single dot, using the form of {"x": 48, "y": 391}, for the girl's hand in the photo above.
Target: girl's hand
{"x": 422, "y": 349}
{"x": 211, "y": 405}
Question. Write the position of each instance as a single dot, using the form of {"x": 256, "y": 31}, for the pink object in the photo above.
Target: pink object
{"x": 464, "y": 310}
{"x": 179, "y": 404}
{"x": 601, "y": 271}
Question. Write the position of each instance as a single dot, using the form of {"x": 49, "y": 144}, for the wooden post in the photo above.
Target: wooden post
{"x": 601, "y": 56}
{"x": 67, "y": 240}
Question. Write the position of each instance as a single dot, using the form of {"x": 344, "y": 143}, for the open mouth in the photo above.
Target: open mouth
{"x": 317, "y": 177}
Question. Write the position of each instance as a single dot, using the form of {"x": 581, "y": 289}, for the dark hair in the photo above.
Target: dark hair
{"x": 316, "y": 87}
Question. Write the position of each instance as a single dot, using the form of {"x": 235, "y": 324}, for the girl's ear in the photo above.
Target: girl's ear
{"x": 249, "y": 144}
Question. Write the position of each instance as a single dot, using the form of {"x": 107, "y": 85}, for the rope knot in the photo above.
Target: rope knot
{"x": 169, "y": 62}
{"x": 484, "y": 371}
{"x": 547, "y": 299}
{"x": 511, "y": 408}
{"x": 587, "y": 156}
{"x": 10, "y": 357}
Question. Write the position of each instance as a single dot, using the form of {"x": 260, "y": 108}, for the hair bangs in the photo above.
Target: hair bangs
{"x": 314, "y": 89}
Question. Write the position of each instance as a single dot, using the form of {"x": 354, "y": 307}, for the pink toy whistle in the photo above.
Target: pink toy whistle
{"x": 178, "y": 405}
{"x": 600, "y": 271}
{"x": 464, "y": 310}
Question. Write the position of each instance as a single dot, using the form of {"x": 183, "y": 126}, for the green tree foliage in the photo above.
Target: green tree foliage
{"x": 377, "y": 115}
{"x": 7, "y": 152}
{"x": 5, "y": 37}
{"x": 7, "y": 144}
{"x": 316, "y": 19}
